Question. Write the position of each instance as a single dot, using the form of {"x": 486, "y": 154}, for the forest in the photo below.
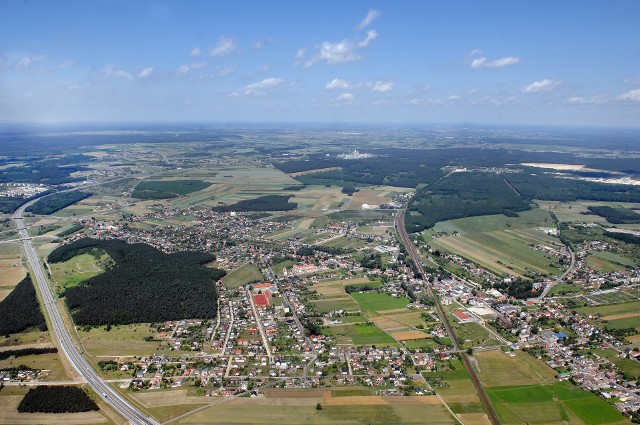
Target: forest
{"x": 56, "y": 399}
{"x": 20, "y": 310}
{"x": 616, "y": 215}
{"x": 56, "y": 202}
{"x": 463, "y": 195}
{"x": 263, "y": 203}
{"x": 144, "y": 285}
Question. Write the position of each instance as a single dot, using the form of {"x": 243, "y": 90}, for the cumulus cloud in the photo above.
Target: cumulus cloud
{"x": 185, "y": 69}
{"x": 223, "y": 47}
{"x": 196, "y": 51}
{"x": 383, "y": 86}
{"x": 110, "y": 72}
{"x": 145, "y": 72}
{"x": 630, "y": 95}
{"x": 483, "y": 62}
{"x": 337, "y": 83}
{"x": 579, "y": 100}
{"x": 372, "y": 14}
{"x": 339, "y": 52}
{"x": 345, "y": 97}
{"x": 258, "y": 88}
{"x": 541, "y": 86}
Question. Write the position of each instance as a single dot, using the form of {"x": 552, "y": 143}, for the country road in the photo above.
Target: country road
{"x": 61, "y": 333}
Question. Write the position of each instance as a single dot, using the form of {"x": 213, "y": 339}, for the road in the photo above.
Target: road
{"x": 415, "y": 256}
{"x": 561, "y": 278}
{"x": 61, "y": 334}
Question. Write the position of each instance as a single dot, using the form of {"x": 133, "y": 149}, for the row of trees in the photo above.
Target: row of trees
{"x": 26, "y": 352}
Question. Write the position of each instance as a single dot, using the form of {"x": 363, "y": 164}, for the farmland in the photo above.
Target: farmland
{"x": 241, "y": 276}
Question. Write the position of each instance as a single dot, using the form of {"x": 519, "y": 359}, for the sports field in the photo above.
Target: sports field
{"x": 373, "y": 303}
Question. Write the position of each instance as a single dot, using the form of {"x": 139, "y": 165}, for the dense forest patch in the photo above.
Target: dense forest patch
{"x": 56, "y": 399}
{"x": 166, "y": 189}
{"x": 56, "y": 202}
{"x": 144, "y": 285}
{"x": 263, "y": 203}
{"x": 21, "y": 310}
{"x": 617, "y": 215}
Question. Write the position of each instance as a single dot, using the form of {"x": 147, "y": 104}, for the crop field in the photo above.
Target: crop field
{"x": 331, "y": 304}
{"x": 612, "y": 297}
{"x": 374, "y": 196}
{"x": 491, "y": 223}
{"x": 606, "y": 262}
{"x": 335, "y": 410}
{"x": 496, "y": 368}
{"x": 573, "y": 211}
{"x": 11, "y": 269}
{"x": 359, "y": 334}
{"x": 458, "y": 388}
{"x": 320, "y": 198}
{"x": 241, "y": 276}
{"x": 611, "y": 309}
{"x": 372, "y": 303}
{"x": 556, "y": 403}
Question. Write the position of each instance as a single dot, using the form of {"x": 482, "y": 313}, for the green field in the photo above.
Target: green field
{"x": 549, "y": 404}
{"x": 499, "y": 243}
{"x": 372, "y": 303}
{"x": 241, "y": 276}
{"x": 371, "y": 335}
{"x": 629, "y": 366}
{"x": 78, "y": 269}
{"x": 611, "y": 309}
{"x": 165, "y": 189}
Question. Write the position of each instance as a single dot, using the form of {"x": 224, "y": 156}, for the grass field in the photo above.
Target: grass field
{"x": 611, "y": 309}
{"x": 78, "y": 269}
{"x": 557, "y": 403}
{"x": 496, "y": 368}
{"x": 372, "y": 303}
{"x": 606, "y": 262}
{"x": 121, "y": 340}
{"x": 572, "y": 211}
{"x": 241, "y": 276}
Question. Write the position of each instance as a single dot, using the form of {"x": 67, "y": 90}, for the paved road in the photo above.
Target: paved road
{"x": 60, "y": 332}
{"x": 561, "y": 278}
{"x": 415, "y": 256}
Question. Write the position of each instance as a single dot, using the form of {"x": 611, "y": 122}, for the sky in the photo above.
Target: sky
{"x": 572, "y": 62}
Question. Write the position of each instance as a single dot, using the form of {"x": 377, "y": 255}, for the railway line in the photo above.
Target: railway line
{"x": 415, "y": 256}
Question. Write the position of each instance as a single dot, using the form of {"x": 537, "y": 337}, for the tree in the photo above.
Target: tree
{"x": 319, "y": 406}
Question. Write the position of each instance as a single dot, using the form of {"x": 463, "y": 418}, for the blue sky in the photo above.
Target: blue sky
{"x": 485, "y": 62}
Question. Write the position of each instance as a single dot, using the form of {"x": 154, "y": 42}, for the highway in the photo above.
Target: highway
{"x": 61, "y": 334}
{"x": 415, "y": 256}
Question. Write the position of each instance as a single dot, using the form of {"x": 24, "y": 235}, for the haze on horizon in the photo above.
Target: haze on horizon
{"x": 498, "y": 62}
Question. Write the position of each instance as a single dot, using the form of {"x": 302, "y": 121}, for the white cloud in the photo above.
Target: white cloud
{"x": 110, "y": 72}
{"x": 383, "y": 86}
{"x": 578, "y": 100}
{"x": 453, "y": 97}
{"x": 223, "y": 47}
{"x": 261, "y": 44}
{"x": 541, "y": 86}
{"x": 26, "y": 61}
{"x": 264, "y": 68}
{"x": 420, "y": 102}
{"x": 73, "y": 86}
{"x": 259, "y": 87}
{"x": 145, "y": 72}
{"x": 371, "y": 35}
{"x": 372, "y": 14}
{"x": 338, "y": 83}
{"x": 483, "y": 62}
{"x": 630, "y": 95}
{"x": 345, "y": 97}
{"x": 340, "y": 52}
{"x": 196, "y": 51}
{"x": 183, "y": 70}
